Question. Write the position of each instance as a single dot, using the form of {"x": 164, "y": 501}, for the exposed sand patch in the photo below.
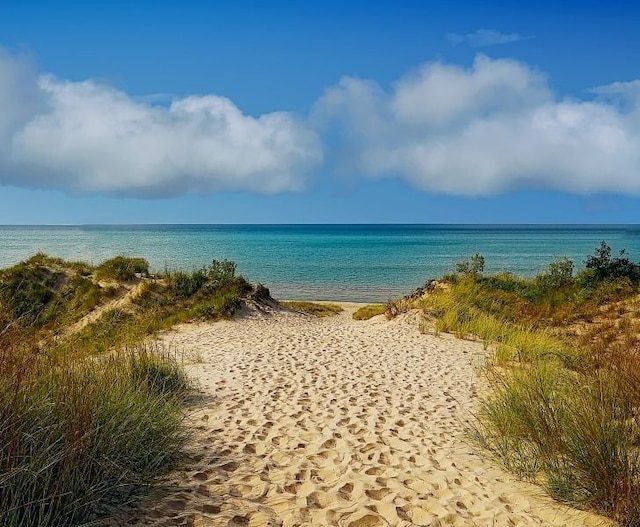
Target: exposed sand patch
{"x": 332, "y": 421}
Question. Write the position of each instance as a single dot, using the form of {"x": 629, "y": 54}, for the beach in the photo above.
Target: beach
{"x": 331, "y": 421}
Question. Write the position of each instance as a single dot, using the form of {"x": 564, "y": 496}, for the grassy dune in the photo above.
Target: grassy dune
{"x": 564, "y": 403}
{"x": 90, "y": 416}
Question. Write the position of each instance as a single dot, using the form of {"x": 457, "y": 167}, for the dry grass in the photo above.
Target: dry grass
{"x": 313, "y": 308}
{"x": 370, "y": 311}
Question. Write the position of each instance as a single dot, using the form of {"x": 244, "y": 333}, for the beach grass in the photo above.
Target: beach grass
{"x": 563, "y": 373}
{"x": 77, "y": 436}
{"x": 369, "y": 311}
{"x": 313, "y": 308}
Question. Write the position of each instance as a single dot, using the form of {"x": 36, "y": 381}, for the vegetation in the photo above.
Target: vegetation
{"x": 367, "y": 312}
{"x": 122, "y": 269}
{"x": 565, "y": 373}
{"x": 77, "y": 436}
{"x": 313, "y": 308}
{"x": 90, "y": 416}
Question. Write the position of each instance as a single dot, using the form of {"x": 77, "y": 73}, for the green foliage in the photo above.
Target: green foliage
{"x": 122, "y": 268}
{"x": 313, "y": 308}
{"x": 367, "y": 312}
{"x": 605, "y": 267}
{"x": 576, "y": 429}
{"x": 185, "y": 285}
{"x": 473, "y": 266}
{"x": 559, "y": 275}
{"x": 219, "y": 275}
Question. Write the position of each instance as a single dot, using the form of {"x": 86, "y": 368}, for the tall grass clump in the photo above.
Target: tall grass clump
{"x": 77, "y": 436}
{"x": 564, "y": 374}
{"x": 122, "y": 268}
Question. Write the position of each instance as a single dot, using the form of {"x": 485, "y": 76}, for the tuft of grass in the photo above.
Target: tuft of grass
{"x": 77, "y": 436}
{"x": 367, "y": 312}
{"x": 397, "y": 306}
{"x": 314, "y": 309}
{"x": 122, "y": 268}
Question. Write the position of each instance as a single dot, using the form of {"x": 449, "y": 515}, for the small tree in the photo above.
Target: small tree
{"x": 604, "y": 267}
{"x": 560, "y": 273}
{"x": 474, "y": 266}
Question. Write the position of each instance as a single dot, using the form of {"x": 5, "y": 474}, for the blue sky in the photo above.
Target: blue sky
{"x": 301, "y": 112}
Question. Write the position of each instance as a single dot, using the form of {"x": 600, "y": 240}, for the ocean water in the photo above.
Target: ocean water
{"x": 325, "y": 262}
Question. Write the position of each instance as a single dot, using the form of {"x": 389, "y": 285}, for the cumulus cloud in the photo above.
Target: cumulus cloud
{"x": 89, "y": 137}
{"x": 483, "y": 38}
{"x": 487, "y": 129}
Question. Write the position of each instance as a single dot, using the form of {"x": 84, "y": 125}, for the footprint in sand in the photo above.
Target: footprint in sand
{"x": 336, "y": 422}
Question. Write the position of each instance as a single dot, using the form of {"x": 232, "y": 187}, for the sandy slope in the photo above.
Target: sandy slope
{"x": 309, "y": 421}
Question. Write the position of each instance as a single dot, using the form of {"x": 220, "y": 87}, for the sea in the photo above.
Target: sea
{"x": 360, "y": 263}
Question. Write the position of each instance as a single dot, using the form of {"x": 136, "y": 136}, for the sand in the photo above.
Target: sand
{"x": 331, "y": 421}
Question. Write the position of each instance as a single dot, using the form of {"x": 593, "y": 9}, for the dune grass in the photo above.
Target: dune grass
{"x": 313, "y": 308}
{"x": 564, "y": 374}
{"x": 77, "y": 435}
{"x": 89, "y": 418}
{"x": 370, "y": 311}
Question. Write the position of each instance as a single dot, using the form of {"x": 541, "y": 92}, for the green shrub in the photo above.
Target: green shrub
{"x": 605, "y": 267}
{"x": 578, "y": 431}
{"x": 185, "y": 285}
{"x": 221, "y": 273}
{"x": 559, "y": 275}
{"x": 473, "y": 266}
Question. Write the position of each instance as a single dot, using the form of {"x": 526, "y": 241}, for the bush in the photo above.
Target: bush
{"x": 474, "y": 266}
{"x": 559, "y": 275}
{"x": 186, "y": 285}
{"x": 221, "y": 273}
{"x": 604, "y": 267}
{"x": 577, "y": 430}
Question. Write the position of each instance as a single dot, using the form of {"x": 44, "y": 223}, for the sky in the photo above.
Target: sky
{"x": 319, "y": 112}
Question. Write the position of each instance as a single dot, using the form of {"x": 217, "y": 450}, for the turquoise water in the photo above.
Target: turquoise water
{"x": 332, "y": 262}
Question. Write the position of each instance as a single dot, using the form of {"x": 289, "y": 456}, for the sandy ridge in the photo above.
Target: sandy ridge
{"x": 307, "y": 421}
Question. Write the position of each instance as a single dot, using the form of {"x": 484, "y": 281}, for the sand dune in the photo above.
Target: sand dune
{"x": 331, "y": 421}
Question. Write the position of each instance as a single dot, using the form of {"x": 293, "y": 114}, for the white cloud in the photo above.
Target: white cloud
{"x": 483, "y": 38}
{"x": 88, "y": 137}
{"x": 487, "y": 129}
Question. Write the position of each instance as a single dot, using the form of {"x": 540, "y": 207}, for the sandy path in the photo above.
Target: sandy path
{"x": 330, "y": 421}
